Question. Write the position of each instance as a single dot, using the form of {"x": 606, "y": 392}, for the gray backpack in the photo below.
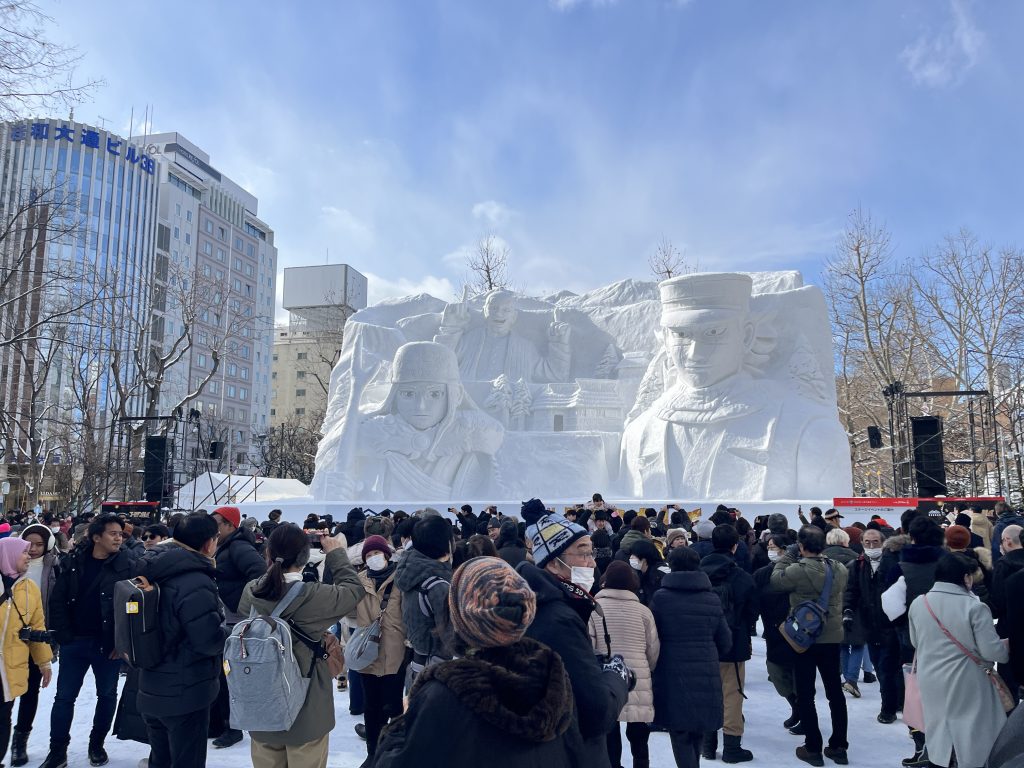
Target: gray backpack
{"x": 265, "y": 683}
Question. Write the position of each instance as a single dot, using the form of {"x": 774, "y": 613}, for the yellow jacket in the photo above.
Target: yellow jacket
{"x": 23, "y": 609}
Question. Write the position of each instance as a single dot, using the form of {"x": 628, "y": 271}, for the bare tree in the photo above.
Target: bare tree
{"x": 667, "y": 261}
{"x": 36, "y": 75}
{"x": 488, "y": 266}
{"x": 289, "y": 449}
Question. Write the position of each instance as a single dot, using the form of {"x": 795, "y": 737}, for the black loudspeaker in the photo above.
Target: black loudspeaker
{"x": 874, "y": 437}
{"x": 929, "y": 467}
{"x": 216, "y": 449}
{"x": 153, "y": 467}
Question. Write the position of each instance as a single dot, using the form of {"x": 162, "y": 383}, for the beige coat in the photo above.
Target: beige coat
{"x": 982, "y": 526}
{"x": 391, "y": 650}
{"x": 635, "y": 638}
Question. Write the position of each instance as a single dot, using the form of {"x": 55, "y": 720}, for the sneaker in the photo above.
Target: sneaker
{"x": 98, "y": 755}
{"x": 798, "y": 730}
{"x": 360, "y": 729}
{"x": 227, "y": 739}
{"x": 870, "y": 678}
{"x": 852, "y": 689}
{"x": 885, "y": 718}
{"x": 837, "y": 755}
{"x": 811, "y": 758}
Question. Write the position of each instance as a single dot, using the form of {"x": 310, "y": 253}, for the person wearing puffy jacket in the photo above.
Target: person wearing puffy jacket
{"x": 634, "y": 636}
{"x": 694, "y": 635}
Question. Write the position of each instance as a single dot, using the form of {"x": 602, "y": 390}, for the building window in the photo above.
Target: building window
{"x": 245, "y": 373}
{"x": 188, "y": 215}
{"x": 300, "y": 411}
{"x": 188, "y": 238}
{"x": 243, "y": 393}
{"x": 220, "y": 255}
{"x": 273, "y": 411}
{"x": 300, "y": 356}
{"x": 177, "y": 234}
{"x": 208, "y": 248}
{"x": 238, "y": 243}
{"x": 222, "y": 234}
{"x": 300, "y": 393}
{"x": 231, "y": 390}
{"x": 300, "y": 374}
{"x": 241, "y": 458}
{"x": 209, "y": 227}
{"x": 177, "y": 209}
{"x": 273, "y": 375}
{"x": 201, "y": 361}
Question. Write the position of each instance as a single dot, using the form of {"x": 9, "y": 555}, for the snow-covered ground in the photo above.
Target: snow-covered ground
{"x": 870, "y": 742}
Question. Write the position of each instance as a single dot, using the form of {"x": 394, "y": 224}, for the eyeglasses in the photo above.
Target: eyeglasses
{"x": 585, "y": 554}
{"x": 149, "y": 537}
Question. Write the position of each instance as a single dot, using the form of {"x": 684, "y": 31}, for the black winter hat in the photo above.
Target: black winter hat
{"x": 777, "y": 523}
{"x": 432, "y": 537}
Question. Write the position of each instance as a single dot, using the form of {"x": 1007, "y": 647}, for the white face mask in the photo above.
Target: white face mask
{"x": 407, "y": 545}
{"x": 774, "y": 555}
{"x": 874, "y": 554}
{"x": 376, "y": 562}
{"x": 581, "y": 576}
{"x": 635, "y": 564}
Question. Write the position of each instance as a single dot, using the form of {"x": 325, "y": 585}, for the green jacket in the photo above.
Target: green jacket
{"x": 315, "y": 610}
{"x": 803, "y": 579}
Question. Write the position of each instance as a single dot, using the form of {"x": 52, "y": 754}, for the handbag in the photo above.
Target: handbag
{"x": 807, "y": 620}
{"x": 1005, "y": 697}
{"x": 913, "y": 707}
{"x": 363, "y": 646}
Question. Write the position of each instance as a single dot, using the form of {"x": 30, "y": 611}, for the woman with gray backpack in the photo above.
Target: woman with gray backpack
{"x": 309, "y": 609}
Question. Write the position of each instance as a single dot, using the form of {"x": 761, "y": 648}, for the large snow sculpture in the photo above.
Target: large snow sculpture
{"x": 719, "y": 388}
{"x": 718, "y": 431}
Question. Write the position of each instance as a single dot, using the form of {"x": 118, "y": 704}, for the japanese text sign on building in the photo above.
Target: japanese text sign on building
{"x": 87, "y": 138}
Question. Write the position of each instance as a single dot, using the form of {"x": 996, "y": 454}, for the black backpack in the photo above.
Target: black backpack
{"x": 137, "y": 636}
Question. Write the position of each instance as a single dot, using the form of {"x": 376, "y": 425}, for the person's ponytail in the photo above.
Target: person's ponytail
{"x": 286, "y": 548}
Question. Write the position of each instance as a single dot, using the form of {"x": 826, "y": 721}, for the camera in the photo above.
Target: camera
{"x": 29, "y": 635}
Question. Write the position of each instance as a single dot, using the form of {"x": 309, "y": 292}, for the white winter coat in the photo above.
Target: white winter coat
{"x": 635, "y": 637}
{"x": 961, "y": 708}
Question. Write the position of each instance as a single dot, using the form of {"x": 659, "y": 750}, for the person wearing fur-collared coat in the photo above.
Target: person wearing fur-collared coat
{"x": 962, "y": 711}
{"x": 635, "y": 637}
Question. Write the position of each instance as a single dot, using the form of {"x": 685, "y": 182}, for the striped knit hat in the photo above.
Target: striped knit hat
{"x": 550, "y": 533}
{"x": 490, "y": 604}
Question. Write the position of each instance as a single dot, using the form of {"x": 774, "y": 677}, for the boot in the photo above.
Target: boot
{"x": 19, "y": 746}
{"x": 733, "y": 751}
{"x": 709, "y": 745}
{"x": 793, "y": 718}
{"x": 920, "y": 757}
{"x": 57, "y": 757}
{"x": 97, "y": 754}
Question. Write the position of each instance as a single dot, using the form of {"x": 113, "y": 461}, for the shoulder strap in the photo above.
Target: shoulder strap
{"x": 387, "y": 595}
{"x": 826, "y": 590}
{"x": 952, "y": 639}
{"x": 284, "y": 602}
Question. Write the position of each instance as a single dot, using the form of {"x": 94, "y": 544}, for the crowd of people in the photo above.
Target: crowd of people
{"x": 540, "y": 638}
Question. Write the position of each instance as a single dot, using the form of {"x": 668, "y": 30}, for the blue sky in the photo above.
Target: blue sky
{"x": 393, "y": 134}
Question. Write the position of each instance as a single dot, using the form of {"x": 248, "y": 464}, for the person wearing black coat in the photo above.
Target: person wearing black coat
{"x": 735, "y": 588}
{"x": 1014, "y": 620}
{"x": 694, "y": 635}
{"x": 176, "y": 694}
{"x": 866, "y": 623}
{"x": 511, "y": 548}
{"x": 508, "y": 697}
{"x": 562, "y": 579}
{"x": 773, "y": 607}
{"x": 82, "y": 617}
{"x": 647, "y": 561}
{"x": 238, "y": 563}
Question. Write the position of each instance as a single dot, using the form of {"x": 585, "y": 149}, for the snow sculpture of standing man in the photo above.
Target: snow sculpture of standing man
{"x": 495, "y": 348}
{"x": 717, "y": 432}
{"x": 428, "y": 441}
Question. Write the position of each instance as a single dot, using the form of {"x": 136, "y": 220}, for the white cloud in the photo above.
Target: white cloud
{"x": 942, "y": 59}
{"x": 380, "y": 288}
{"x": 347, "y": 224}
{"x": 494, "y": 213}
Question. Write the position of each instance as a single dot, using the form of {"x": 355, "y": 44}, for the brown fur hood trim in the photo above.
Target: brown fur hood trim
{"x": 522, "y": 689}
{"x": 895, "y": 544}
